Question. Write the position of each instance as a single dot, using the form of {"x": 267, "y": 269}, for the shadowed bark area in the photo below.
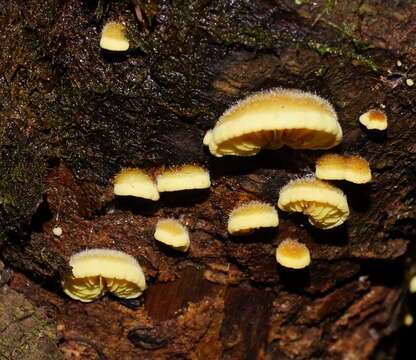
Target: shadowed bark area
{"x": 73, "y": 115}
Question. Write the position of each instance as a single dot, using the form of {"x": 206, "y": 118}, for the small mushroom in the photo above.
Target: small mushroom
{"x": 324, "y": 204}
{"x": 172, "y": 233}
{"x": 57, "y": 231}
{"x": 113, "y": 37}
{"x": 186, "y": 177}
{"x": 293, "y": 254}
{"x": 272, "y": 119}
{"x": 374, "y": 119}
{"x": 339, "y": 167}
{"x": 412, "y": 285}
{"x": 135, "y": 182}
{"x": 250, "y": 216}
{"x": 408, "y": 320}
{"x": 96, "y": 271}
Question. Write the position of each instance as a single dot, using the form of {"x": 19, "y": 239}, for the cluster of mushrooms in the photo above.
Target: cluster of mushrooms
{"x": 265, "y": 120}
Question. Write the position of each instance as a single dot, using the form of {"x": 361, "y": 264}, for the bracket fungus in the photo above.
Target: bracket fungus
{"x": 113, "y": 37}
{"x": 374, "y": 119}
{"x": 135, "y": 182}
{"x": 272, "y": 119}
{"x": 172, "y": 233}
{"x": 339, "y": 167}
{"x": 96, "y": 271}
{"x": 186, "y": 177}
{"x": 324, "y": 204}
{"x": 250, "y": 216}
{"x": 293, "y": 254}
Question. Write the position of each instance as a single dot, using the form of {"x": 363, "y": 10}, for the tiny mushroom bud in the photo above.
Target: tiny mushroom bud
{"x": 135, "y": 182}
{"x": 408, "y": 320}
{"x": 374, "y": 119}
{"x": 412, "y": 284}
{"x": 325, "y": 205}
{"x": 186, "y": 177}
{"x": 293, "y": 254}
{"x": 272, "y": 119}
{"x": 172, "y": 233}
{"x": 252, "y": 215}
{"x": 57, "y": 231}
{"x": 96, "y": 271}
{"x": 339, "y": 167}
{"x": 113, "y": 37}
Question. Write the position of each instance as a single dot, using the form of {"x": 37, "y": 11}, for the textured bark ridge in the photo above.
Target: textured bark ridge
{"x": 72, "y": 115}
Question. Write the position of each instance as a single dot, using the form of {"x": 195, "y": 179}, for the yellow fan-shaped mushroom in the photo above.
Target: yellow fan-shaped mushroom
{"x": 339, "y": 167}
{"x": 96, "y": 271}
{"x": 135, "y": 182}
{"x": 186, "y": 177}
{"x": 293, "y": 254}
{"x": 272, "y": 119}
{"x": 172, "y": 233}
{"x": 113, "y": 37}
{"x": 324, "y": 204}
{"x": 252, "y": 215}
{"x": 374, "y": 119}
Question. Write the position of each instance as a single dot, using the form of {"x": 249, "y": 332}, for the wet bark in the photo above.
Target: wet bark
{"x": 72, "y": 115}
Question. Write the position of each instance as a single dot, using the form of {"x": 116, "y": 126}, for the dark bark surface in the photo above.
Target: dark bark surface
{"x": 72, "y": 115}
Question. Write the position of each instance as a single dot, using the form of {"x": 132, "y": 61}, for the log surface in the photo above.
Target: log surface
{"x": 72, "y": 116}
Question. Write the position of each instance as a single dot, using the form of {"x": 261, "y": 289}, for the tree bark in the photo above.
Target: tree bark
{"x": 73, "y": 115}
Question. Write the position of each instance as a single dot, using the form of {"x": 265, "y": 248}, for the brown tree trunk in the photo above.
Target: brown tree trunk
{"x": 72, "y": 115}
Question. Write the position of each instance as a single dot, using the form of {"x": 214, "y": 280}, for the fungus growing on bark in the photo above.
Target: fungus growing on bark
{"x": 324, "y": 204}
{"x": 339, "y": 167}
{"x": 293, "y": 254}
{"x": 135, "y": 182}
{"x": 96, "y": 271}
{"x": 272, "y": 119}
{"x": 172, "y": 233}
{"x": 113, "y": 37}
{"x": 250, "y": 216}
{"x": 186, "y": 177}
{"x": 374, "y": 119}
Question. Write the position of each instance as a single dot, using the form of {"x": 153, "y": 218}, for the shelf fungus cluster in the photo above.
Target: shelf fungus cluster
{"x": 135, "y": 182}
{"x": 293, "y": 254}
{"x": 339, "y": 167}
{"x": 250, "y": 216}
{"x": 96, "y": 271}
{"x": 172, "y": 233}
{"x": 113, "y": 37}
{"x": 374, "y": 119}
{"x": 272, "y": 119}
{"x": 324, "y": 204}
{"x": 186, "y": 177}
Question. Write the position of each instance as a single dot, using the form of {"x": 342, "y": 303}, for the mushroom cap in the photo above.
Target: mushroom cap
{"x": 293, "y": 254}
{"x": 272, "y": 119}
{"x": 172, "y": 233}
{"x": 135, "y": 182}
{"x": 113, "y": 37}
{"x": 325, "y": 205}
{"x": 374, "y": 119}
{"x": 339, "y": 167}
{"x": 252, "y": 215}
{"x": 186, "y": 177}
{"x": 96, "y": 270}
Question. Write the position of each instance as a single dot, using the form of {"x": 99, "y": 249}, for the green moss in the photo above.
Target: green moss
{"x": 324, "y": 49}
